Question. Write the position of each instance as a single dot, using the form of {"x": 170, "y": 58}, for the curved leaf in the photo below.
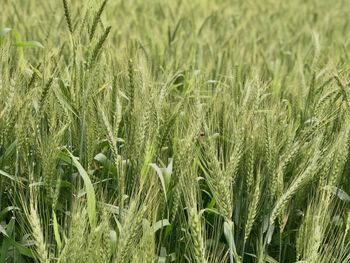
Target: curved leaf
{"x": 90, "y": 192}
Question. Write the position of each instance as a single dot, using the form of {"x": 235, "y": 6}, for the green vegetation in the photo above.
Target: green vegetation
{"x": 174, "y": 131}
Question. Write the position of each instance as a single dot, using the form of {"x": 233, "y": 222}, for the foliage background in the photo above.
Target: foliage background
{"x": 174, "y": 131}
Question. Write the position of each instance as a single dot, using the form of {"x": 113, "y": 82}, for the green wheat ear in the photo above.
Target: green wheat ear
{"x": 99, "y": 45}
{"x": 96, "y": 19}
{"x": 67, "y": 14}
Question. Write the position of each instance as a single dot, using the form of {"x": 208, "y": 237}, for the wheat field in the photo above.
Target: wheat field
{"x": 156, "y": 131}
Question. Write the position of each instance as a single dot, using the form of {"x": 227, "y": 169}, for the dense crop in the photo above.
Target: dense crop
{"x": 174, "y": 131}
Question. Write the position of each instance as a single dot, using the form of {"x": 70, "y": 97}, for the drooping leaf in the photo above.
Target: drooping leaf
{"x": 160, "y": 224}
{"x": 90, "y": 191}
{"x": 341, "y": 194}
{"x": 3, "y": 231}
{"x": 29, "y": 44}
{"x": 5, "y": 30}
{"x": 56, "y": 231}
{"x": 161, "y": 178}
{"x": 4, "y": 212}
